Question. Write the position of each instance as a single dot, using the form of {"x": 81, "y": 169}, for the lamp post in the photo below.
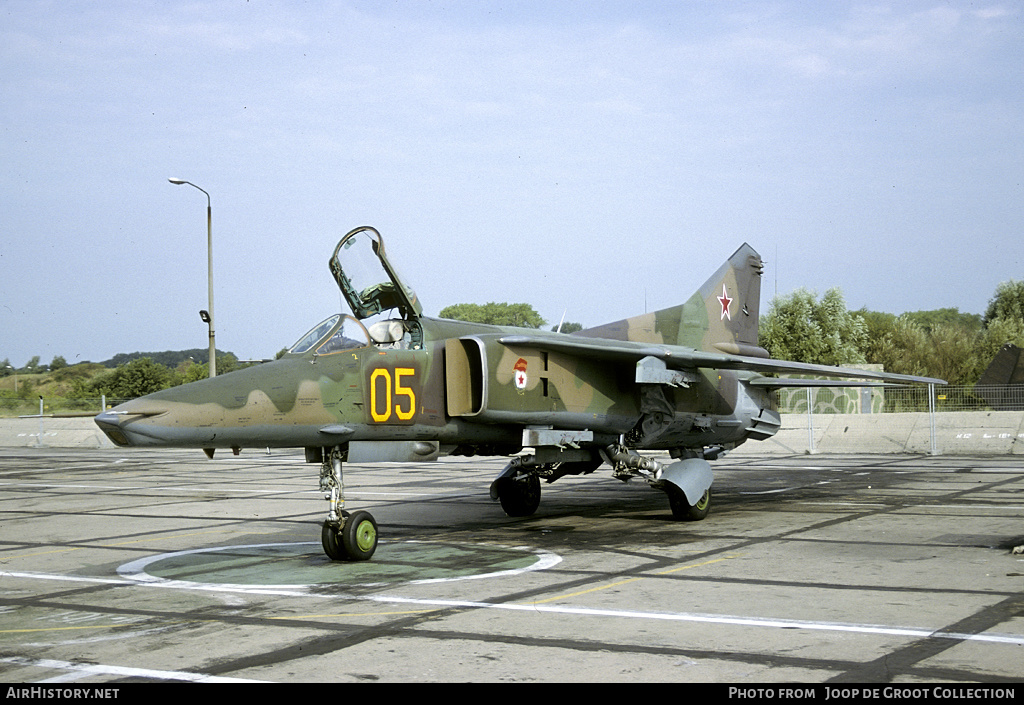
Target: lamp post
{"x": 207, "y": 315}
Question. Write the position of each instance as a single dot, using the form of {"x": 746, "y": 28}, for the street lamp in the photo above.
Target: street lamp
{"x": 207, "y": 315}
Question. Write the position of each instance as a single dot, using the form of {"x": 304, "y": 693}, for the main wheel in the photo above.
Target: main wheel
{"x": 682, "y": 509}
{"x": 519, "y": 497}
{"x": 359, "y": 536}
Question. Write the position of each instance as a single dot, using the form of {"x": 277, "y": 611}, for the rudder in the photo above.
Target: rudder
{"x": 722, "y": 316}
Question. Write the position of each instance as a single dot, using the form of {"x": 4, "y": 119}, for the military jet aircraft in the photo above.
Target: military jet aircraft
{"x": 390, "y": 384}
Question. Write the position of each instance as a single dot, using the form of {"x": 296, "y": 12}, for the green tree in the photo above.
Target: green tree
{"x": 27, "y": 389}
{"x": 876, "y": 325}
{"x": 902, "y": 347}
{"x": 930, "y": 320}
{"x": 1006, "y": 303}
{"x": 498, "y": 314}
{"x": 568, "y": 327}
{"x": 953, "y": 353}
{"x": 957, "y": 350}
{"x": 191, "y": 371}
{"x": 82, "y": 371}
{"x": 1004, "y": 323}
{"x": 799, "y": 327}
{"x": 168, "y": 358}
{"x": 228, "y": 362}
{"x": 997, "y": 334}
{"x": 134, "y": 379}
{"x": 939, "y": 343}
{"x": 194, "y": 373}
{"x": 58, "y": 363}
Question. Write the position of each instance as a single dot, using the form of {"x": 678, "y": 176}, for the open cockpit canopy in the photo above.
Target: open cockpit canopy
{"x": 368, "y": 281}
{"x": 385, "y": 310}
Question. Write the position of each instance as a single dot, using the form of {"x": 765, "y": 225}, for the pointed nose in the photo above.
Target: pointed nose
{"x": 125, "y": 425}
{"x": 110, "y": 423}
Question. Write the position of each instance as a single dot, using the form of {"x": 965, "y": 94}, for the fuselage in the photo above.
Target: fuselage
{"x": 344, "y": 386}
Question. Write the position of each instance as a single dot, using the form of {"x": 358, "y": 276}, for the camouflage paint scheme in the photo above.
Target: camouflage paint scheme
{"x": 391, "y": 384}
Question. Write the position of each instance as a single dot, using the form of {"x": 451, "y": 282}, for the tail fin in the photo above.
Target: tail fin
{"x": 722, "y": 316}
{"x": 1007, "y": 368}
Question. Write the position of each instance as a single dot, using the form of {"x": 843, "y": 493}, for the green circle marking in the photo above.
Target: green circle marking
{"x": 292, "y": 565}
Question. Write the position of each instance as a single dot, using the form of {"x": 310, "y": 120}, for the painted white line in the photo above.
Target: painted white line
{"x": 294, "y": 591}
{"x": 702, "y": 618}
{"x": 972, "y": 506}
{"x": 545, "y": 560}
{"x": 916, "y": 632}
{"x": 87, "y": 669}
{"x": 136, "y": 570}
{"x": 785, "y": 489}
{"x": 66, "y": 578}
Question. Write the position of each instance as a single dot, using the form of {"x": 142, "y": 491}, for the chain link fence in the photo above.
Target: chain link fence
{"x": 898, "y": 398}
{"x": 15, "y": 407}
{"x": 930, "y": 419}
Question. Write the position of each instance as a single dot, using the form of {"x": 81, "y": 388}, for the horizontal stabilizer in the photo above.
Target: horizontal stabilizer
{"x": 790, "y": 382}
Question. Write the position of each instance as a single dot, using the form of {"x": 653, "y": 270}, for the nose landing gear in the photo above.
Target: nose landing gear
{"x": 354, "y": 538}
{"x": 345, "y": 537}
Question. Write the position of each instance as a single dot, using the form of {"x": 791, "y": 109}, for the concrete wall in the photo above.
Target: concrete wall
{"x": 52, "y": 433}
{"x": 957, "y": 433}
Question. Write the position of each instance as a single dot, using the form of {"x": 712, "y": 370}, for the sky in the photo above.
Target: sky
{"x": 595, "y": 159}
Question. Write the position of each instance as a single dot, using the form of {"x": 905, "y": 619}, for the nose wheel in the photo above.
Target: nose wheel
{"x": 345, "y": 536}
{"x": 354, "y": 540}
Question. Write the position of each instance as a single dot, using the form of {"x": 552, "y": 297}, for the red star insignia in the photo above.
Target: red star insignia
{"x": 726, "y": 302}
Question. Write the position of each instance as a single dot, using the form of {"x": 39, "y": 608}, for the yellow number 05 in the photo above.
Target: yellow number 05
{"x": 400, "y": 391}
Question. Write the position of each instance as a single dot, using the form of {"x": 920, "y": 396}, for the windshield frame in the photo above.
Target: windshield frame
{"x": 314, "y": 335}
{"x": 323, "y": 332}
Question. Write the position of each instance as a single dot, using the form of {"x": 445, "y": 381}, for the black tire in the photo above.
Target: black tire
{"x": 519, "y": 497}
{"x": 683, "y": 510}
{"x": 359, "y": 536}
{"x": 332, "y": 543}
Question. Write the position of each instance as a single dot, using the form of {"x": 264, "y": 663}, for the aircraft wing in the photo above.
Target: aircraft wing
{"x": 681, "y": 358}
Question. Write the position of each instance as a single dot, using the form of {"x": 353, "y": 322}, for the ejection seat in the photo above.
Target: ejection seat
{"x": 389, "y": 334}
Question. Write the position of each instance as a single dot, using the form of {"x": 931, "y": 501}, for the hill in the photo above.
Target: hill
{"x": 167, "y": 358}
{"x": 71, "y": 387}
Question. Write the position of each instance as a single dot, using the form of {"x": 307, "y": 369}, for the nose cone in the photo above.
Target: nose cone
{"x": 110, "y": 423}
{"x": 257, "y": 406}
{"x": 131, "y": 423}
{"x": 220, "y": 412}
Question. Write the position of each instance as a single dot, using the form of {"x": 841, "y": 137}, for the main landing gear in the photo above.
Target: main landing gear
{"x": 345, "y": 536}
{"x": 517, "y": 488}
{"x": 687, "y": 482}
{"x": 681, "y": 507}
